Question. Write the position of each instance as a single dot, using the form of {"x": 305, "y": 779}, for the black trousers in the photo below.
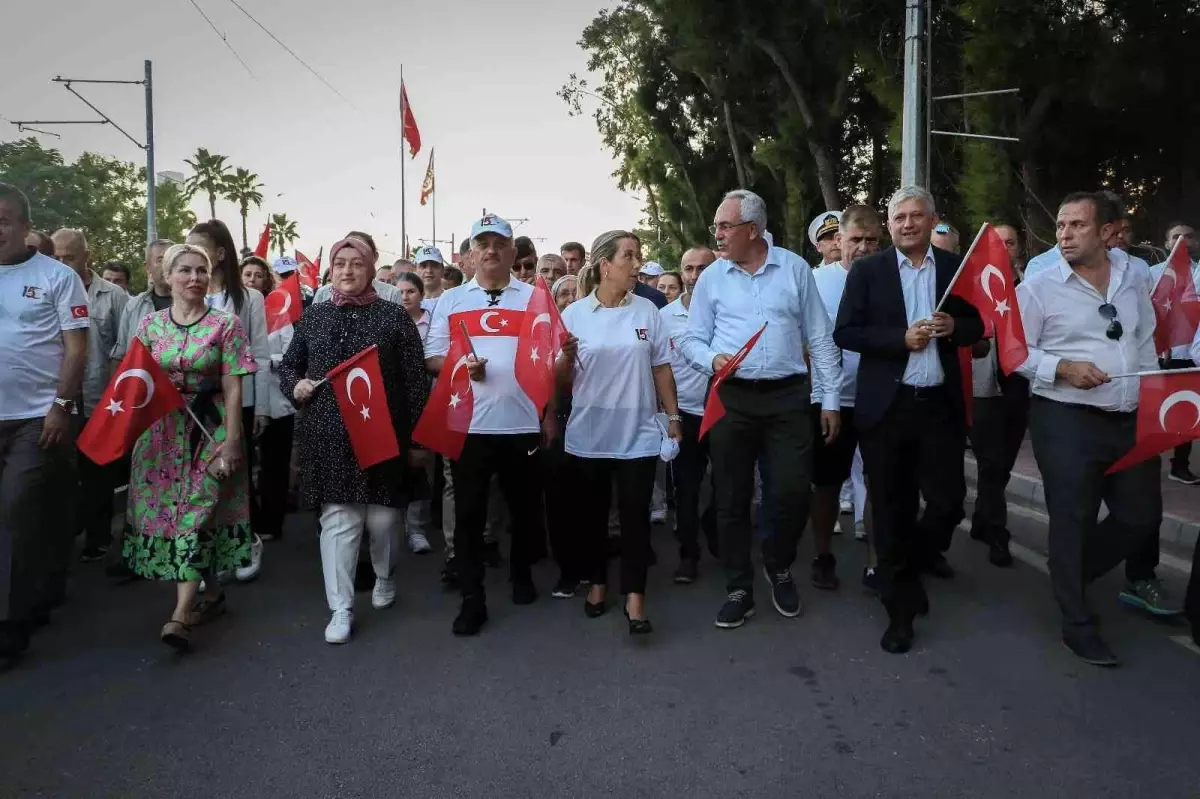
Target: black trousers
{"x": 1074, "y": 445}
{"x": 1191, "y": 602}
{"x": 765, "y": 419}
{"x": 513, "y": 459}
{"x": 560, "y": 473}
{"x": 635, "y": 483}
{"x": 96, "y": 486}
{"x": 274, "y": 473}
{"x": 687, "y": 472}
{"x": 1183, "y": 453}
{"x": 915, "y": 450}
{"x": 997, "y": 430}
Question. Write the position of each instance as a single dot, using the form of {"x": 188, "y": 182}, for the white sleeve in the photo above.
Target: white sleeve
{"x": 1040, "y": 368}
{"x": 256, "y": 322}
{"x": 696, "y": 341}
{"x": 437, "y": 342}
{"x": 660, "y": 342}
{"x": 824, "y": 355}
{"x": 70, "y": 300}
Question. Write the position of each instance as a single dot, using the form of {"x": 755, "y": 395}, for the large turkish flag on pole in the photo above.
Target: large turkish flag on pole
{"x": 1176, "y": 305}
{"x": 358, "y": 385}
{"x": 1168, "y": 415}
{"x": 284, "y": 305}
{"x": 542, "y": 336}
{"x": 714, "y": 409}
{"x": 986, "y": 281}
{"x": 139, "y": 394}
{"x": 412, "y": 134}
{"x": 444, "y": 424}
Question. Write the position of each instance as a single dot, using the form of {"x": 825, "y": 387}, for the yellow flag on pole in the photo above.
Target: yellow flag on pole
{"x": 427, "y": 185}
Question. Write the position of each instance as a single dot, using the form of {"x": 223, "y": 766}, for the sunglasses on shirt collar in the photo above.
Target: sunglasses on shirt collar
{"x": 1109, "y": 312}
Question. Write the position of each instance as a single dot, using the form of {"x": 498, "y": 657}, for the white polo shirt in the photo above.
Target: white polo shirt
{"x": 614, "y": 401}
{"x": 691, "y": 385}
{"x": 831, "y": 285}
{"x": 39, "y": 299}
{"x": 500, "y": 405}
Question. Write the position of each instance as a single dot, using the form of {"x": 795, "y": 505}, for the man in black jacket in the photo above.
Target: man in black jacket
{"x": 909, "y": 406}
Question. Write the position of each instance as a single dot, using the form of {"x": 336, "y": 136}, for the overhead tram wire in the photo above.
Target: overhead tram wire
{"x": 223, "y": 39}
{"x": 290, "y": 52}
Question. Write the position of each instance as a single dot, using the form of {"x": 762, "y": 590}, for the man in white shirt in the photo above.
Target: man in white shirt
{"x": 1180, "y": 357}
{"x": 822, "y": 232}
{"x": 431, "y": 266}
{"x": 1086, "y": 319}
{"x": 43, "y": 350}
{"x": 765, "y": 401}
{"x": 690, "y": 465}
{"x": 1117, "y": 239}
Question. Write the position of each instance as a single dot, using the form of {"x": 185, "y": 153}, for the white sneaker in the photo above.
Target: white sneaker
{"x": 837, "y": 527}
{"x": 860, "y": 531}
{"x": 419, "y": 544}
{"x": 846, "y": 506}
{"x": 658, "y": 516}
{"x": 248, "y": 573}
{"x": 340, "y": 627}
{"x": 383, "y": 595}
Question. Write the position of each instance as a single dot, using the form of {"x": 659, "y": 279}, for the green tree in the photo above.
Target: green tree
{"x": 242, "y": 187}
{"x": 283, "y": 232}
{"x": 209, "y": 173}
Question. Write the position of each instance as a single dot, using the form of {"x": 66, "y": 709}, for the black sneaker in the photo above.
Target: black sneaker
{"x": 471, "y": 617}
{"x": 564, "y": 588}
{"x": 687, "y": 571}
{"x": 1090, "y": 648}
{"x": 784, "y": 596}
{"x": 999, "y": 554}
{"x": 524, "y": 592}
{"x": 738, "y": 607}
{"x": 1183, "y": 474}
{"x": 93, "y": 554}
{"x": 824, "y": 572}
{"x": 870, "y": 580}
{"x": 491, "y": 554}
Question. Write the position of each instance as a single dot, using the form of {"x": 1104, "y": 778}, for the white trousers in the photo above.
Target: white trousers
{"x": 341, "y": 532}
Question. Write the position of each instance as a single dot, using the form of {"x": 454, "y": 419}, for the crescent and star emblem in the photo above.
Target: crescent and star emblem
{"x": 483, "y": 322}
{"x": 985, "y": 280}
{"x": 358, "y": 373}
{"x": 454, "y": 398}
{"x": 114, "y": 405}
{"x": 542, "y": 318}
{"x": 1173, "y": 400}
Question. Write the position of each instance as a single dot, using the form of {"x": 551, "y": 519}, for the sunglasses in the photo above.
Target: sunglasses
{"x": 526, "y": 267}
{"x": 1109, "y": 312}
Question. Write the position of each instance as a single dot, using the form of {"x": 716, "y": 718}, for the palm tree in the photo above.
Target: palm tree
{"x": 242, "y": 187}
{"x": 283, "y": 232}
{"x": 209, "y": 173}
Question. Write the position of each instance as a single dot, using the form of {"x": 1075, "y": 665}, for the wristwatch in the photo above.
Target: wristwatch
{"x": 674, "y": 417}
{"x": 66, "y": 404}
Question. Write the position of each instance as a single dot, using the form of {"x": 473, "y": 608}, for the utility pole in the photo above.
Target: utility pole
{"x": 148, "y": 147}
{"x": 911, "y": 136}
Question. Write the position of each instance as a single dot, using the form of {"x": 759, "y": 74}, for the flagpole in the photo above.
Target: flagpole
{"x": 434, "y": 205}
{"x": 961, "y": 266}
{"x": 403, "y": 229}
{"x": 1154, "y": 372}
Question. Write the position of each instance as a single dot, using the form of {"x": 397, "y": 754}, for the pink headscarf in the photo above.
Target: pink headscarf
{"x": 367, "y": 295}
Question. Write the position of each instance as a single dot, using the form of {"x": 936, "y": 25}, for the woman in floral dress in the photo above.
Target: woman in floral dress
{"x": 189, "y": 504}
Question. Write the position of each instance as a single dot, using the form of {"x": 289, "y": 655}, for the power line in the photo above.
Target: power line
{"x": 304, "y": 64}
{"x": 222, "y": 37}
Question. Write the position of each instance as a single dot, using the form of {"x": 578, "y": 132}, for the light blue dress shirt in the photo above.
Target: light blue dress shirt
{"x": 1052, "y": 258}
{"x": 919, "y": 285}
{"x": 730, "y": 305}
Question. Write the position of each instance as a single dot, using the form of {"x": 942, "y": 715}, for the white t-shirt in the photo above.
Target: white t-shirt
{"x": 614, "y": 401}
{"x": 831, "y": 284}
{"x": 39, "y": 299}
{"x": 500, "y": 405}
{"x": 691, "y": 385}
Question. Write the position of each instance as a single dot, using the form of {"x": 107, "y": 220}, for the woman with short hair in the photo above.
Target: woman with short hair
{"x": 564, "y": 291}
{"x": 670, "y": 284}
{"x": 256, "y": 274}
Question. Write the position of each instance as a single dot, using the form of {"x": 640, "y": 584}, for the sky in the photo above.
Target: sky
{"x": 481, "y": 79}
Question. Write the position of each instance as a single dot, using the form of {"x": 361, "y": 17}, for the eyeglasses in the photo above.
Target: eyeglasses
{"x": 526, "y": 267}
{"x": 1109, "y": 312}
{"x": 725, "y": 227}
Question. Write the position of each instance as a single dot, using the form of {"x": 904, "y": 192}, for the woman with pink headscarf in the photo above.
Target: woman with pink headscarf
{"x": 350, "y": 499}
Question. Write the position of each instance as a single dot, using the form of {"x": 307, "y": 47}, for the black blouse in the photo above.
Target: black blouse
{"x": 324, "y": 337}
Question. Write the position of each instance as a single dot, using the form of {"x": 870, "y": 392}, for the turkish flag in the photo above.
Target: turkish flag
{"x": 489, "y": 321}
{"x": 139, "y": 394}
{"x": 358, "y": 385}
{"x": 986, "y": 281}
{"x": 714, "y": 409}
{"x": 1176, "y": 306}
{"x": 264, "y": 241}
{"x": 1168, "y": 415}
{"x": 284, "y": 305}
{"x": 310, "y": 273}
{"x": 446, "y": 420}
{"x": 411, "y": 134}
{"x": 542, "y": 337}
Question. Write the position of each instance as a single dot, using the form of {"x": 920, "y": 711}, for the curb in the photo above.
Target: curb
{"x": 1027, "y": 492}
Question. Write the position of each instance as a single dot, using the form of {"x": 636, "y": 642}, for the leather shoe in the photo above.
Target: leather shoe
{"x": 471, "y": 617}
{"x": 999, "y": 554}
{"x": 1090, "y": 648}
{"x": 897, "y": 638}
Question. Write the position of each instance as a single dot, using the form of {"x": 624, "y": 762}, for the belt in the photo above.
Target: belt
{"x": 921, "y": 392}
{"x": 1092, "y": 409}
{"x": 766, "y": 383}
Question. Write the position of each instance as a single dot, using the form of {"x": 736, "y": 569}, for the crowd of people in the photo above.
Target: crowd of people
{"x": 847, "y": 393}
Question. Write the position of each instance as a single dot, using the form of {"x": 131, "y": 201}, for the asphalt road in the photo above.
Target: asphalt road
{"x": 547, "y": 703}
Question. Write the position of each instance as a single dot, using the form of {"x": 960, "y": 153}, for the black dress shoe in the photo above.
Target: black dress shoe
{"x": 471, "y": 617}
{"x": 1090, "y": 648}
{"x": 999, "y": 554}
{"x": 594, "y": 611}
{"x": 639, "y": 626}
{"x": 897, "y": 638}
{"x": 686, "y": 573}
{"x": 939, "y": 567}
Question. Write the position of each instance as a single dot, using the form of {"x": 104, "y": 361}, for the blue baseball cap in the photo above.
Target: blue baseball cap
{"x": 429, "y": 254}
{"x": 491, "y": 224}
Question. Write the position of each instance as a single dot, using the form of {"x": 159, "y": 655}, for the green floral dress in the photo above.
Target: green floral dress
{"x": 182, "y": 521}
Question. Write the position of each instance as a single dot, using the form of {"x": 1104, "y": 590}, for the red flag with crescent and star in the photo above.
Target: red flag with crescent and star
{"x": 1168, "y": 415}
{"x": 714, "y": 409}
{"x": 264, "y": 242}
{"x": 411, "y": 133}
{"x": 986, "y": 281}
{"x": 542, "y": 337}
{"x": 310, "y": 273}
{"x": 446, "y": 420}
{"x": 1176, "y": 304}
{"x": 358, "y": 385}
{"x": 284, "y": 305}
{"x": 139, "y": 394}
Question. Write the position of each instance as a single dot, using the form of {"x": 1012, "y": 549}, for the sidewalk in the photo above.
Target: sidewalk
{"x": 1181, "y": 503}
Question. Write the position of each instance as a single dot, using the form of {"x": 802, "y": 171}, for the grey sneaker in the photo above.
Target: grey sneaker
{"x": 1152, "y": 597}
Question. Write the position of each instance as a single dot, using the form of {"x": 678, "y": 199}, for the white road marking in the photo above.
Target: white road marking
{"x": 1187, "y": 643}
{"x": 1029, "y": 557}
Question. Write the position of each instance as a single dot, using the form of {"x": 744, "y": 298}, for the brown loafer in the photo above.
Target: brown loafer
{"x": 176, "y": 635}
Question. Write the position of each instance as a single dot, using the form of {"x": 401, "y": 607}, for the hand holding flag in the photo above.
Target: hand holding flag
{"x": 1168, "y": 415}
{"x": 986, "y": 280}
{"x": 364, "y": 409}
{"x": 542, "y": 337}
{"x": 714, "y": 409}
{"x": 444, "y": 424}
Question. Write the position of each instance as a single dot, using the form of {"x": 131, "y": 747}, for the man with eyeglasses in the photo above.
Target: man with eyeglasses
{"x": 1085, "y": 319}
{"x": 524, "y": 268}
